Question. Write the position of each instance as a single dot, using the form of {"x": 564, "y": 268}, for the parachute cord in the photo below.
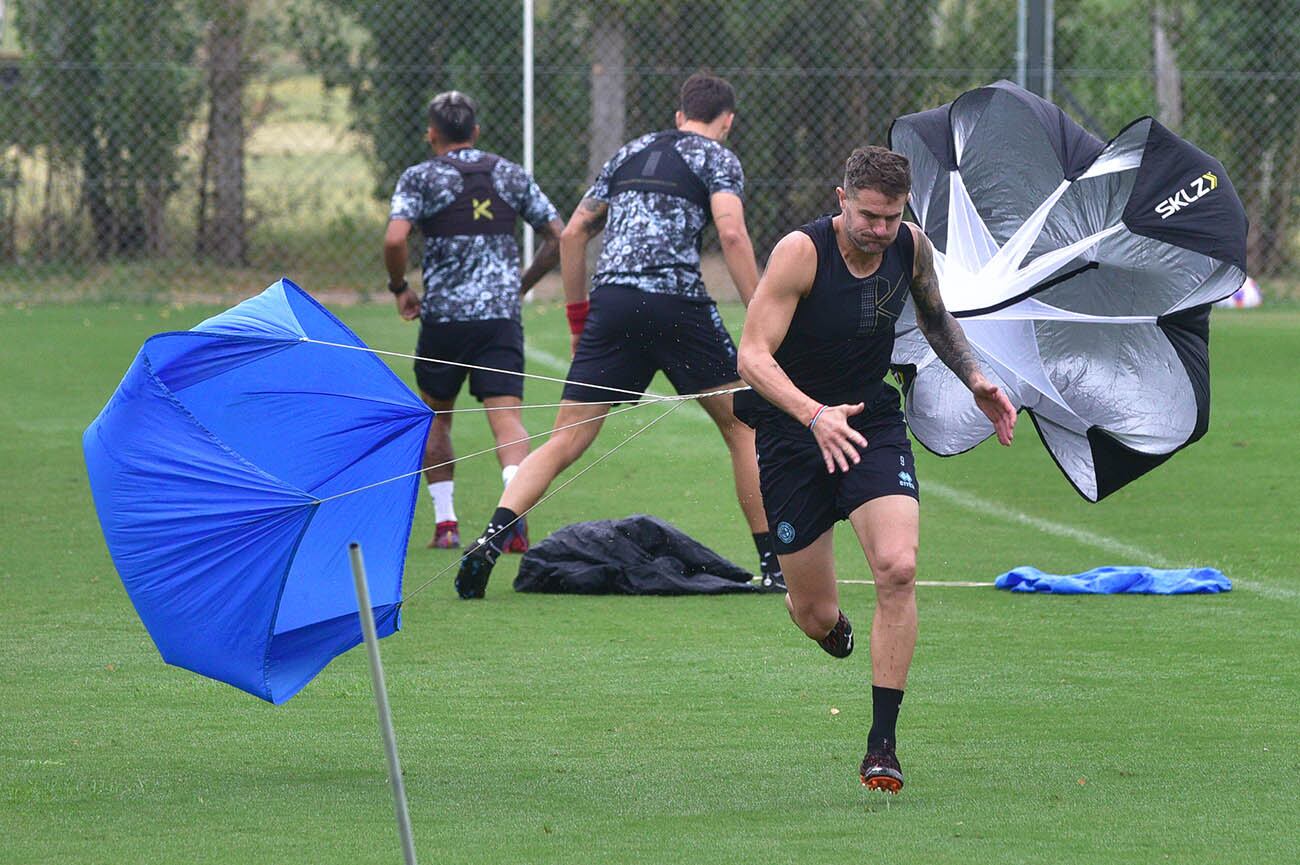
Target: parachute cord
{"x": 481, "y": 368}
{"x": 475, "y": 454}
{"x": 456, "y": 562}
{"x": 650, "y": 401}
{"x": 678, "y": 399}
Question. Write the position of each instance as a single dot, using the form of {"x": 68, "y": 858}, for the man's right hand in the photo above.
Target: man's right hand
{"x": 838, "y": 441}
{"x": 408, "y": 305}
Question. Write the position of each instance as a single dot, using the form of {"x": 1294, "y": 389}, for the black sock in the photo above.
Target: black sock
{"x": 767, "y": 561}
{"x": 884, "y": 715}
{"x": 501, "y": 518}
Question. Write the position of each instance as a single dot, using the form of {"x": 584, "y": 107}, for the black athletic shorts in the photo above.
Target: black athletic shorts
{"x": 802, "y": 500}
{"x": 631, "y": 334}
{"x": 496, "y": 342}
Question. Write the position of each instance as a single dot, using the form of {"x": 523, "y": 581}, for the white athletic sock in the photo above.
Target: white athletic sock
{"x": 507, "y": 474}
{"x": 441, "y": 493}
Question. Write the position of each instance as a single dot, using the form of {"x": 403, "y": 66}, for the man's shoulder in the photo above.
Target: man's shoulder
{"x": 431, "y": 171}
{"x": 797, "y": 247}
{"x": 711, "y": 161}
{"x": 631, "y": 148}
{"x": 499, "y": 162}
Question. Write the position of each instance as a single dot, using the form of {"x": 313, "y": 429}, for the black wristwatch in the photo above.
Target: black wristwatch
{"x": 399, "y": 289}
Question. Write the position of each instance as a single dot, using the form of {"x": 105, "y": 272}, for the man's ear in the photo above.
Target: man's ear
{"x": 678, "y": 119}
{"x": 728, "y": 120}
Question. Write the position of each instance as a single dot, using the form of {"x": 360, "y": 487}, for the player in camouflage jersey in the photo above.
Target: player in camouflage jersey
{"x": 648, "y": 309}
{"x": 466, "y": 203}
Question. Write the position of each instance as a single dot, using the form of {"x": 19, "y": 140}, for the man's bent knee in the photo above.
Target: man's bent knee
{"x": 815, "y": 619}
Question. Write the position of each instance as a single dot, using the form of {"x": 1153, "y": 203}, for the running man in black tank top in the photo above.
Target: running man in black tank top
{"x": 831, "y": 441}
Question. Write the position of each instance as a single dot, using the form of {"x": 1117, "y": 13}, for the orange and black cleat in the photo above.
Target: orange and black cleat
{"x": 880, "y": 769}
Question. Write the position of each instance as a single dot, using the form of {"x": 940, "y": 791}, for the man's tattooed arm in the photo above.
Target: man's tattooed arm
{"x": 593, "y": 214}
{"x": 585, "y": 223}
{"x": 941, "y": 330}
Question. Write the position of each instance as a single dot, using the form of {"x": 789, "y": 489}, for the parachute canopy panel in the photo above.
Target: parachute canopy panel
{"x": 1082, "y": 272}
{"x": 213, "y": 466}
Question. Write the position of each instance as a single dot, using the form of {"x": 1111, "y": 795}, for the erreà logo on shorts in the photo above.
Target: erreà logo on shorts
{"x": 1188, "y": 195}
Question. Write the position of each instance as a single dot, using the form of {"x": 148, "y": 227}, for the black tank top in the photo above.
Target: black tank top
{"x": 478, "y": 209}
{"x": 841, "y": 336}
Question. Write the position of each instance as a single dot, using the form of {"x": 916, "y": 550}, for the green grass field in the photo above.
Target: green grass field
{"x": 696, "y": 730}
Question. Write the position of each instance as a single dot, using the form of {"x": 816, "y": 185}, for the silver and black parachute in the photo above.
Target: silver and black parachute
{"x": 1082, "y": 273}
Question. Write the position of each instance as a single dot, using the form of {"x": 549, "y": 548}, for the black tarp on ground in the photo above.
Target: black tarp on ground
{"x": 637, "y": 555}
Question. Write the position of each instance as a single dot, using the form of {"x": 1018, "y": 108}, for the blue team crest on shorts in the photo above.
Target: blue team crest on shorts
{"x": 905, "y": 480}
{"x": 785, "y": 532}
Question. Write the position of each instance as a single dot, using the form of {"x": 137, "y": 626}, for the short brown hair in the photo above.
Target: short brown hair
{"x": 880, "y": 169}
{"x": 706, "y": 96}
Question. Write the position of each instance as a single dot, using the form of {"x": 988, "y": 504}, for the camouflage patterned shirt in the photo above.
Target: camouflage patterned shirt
{"x": 652, "y": 238}
{"x": 469, "y": 278}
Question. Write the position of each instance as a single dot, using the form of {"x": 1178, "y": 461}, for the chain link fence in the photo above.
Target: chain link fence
{"x": 197, "y": 148}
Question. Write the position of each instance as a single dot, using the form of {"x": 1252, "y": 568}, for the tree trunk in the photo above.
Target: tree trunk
{"x": 155, "y": 218}
{"x": 1282, "y": 208}
{"x": 1269, "y": 196}
{"x": 224, "y": 237}
{"x": 1169, "y": 81}
{"x": 94, "y": 191}
{"x": 608, "y": 87}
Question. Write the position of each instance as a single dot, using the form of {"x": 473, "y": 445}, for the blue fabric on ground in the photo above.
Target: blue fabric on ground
{"x": 1114, "y": 580}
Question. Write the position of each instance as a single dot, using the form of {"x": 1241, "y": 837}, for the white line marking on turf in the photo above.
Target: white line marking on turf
{"x": 987, "y": 508}
{"x": 955, "y": 584}
{"x": 545, "y": 358}
{"x": 1137, "y": 554}
{"x": 1277, "y": 593}
{"x": 560, "y": 365}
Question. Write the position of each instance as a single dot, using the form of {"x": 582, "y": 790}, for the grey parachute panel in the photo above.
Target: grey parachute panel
{"x": 1082, "y": 273}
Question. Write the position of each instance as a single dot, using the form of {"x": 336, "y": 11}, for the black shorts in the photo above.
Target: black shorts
{"x": 631, "y": 335}
{"x": 497, "y": 343}
{"x": 802, "y": 500}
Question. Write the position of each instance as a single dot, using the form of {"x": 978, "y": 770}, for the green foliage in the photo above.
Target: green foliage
{"x": 409, "y": 50}
{"x": 113, "y": 93}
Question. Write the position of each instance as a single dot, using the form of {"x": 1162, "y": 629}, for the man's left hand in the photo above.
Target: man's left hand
{"x": 996, "y": 407}
{"x": 408, "y": 305}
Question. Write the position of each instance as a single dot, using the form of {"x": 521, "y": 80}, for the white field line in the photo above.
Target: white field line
{"x": 1092, "y": 539}
{"x": 986, "y": 508}
{"x": 946, "y": 584}
{"x": 561, "y": 366}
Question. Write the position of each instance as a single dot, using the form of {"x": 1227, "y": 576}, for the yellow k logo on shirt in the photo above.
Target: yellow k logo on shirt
{"x": 481, "y": 208}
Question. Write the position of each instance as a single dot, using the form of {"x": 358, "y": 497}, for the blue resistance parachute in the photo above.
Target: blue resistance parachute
{"x": 1082, "y": 272}
{"x": 213, "y": 468}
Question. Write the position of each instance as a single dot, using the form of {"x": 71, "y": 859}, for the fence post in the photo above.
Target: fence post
{"x": 528, "y": 116}
{"x": 1035, "y": 20}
